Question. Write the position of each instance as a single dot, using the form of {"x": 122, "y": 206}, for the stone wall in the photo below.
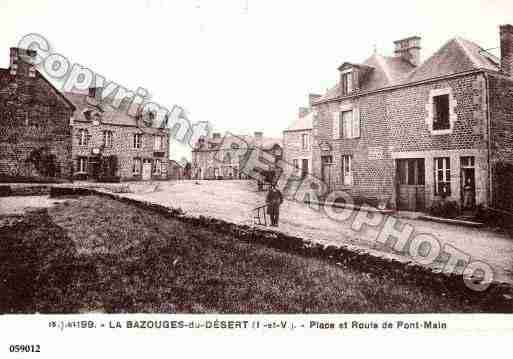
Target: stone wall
{"x": 394, "y": 124}
{"x": 501, "y": 144}
{"x": 293, "y": 147}
{"x": 122, "y": 146}
{"x": 32, "y": 116}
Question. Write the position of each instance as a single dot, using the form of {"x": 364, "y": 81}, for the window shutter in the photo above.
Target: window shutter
{"x": 356, "y": 122}
{"x": 336, "y": 125}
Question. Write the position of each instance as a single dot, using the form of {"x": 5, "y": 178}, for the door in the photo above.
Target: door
{"x": 468, "y": 183}
{"x": 411, "y": 184}
{"x": 146, "y": 170}
{"x": 325, "y": 169}
{"x": 304, "y": 167}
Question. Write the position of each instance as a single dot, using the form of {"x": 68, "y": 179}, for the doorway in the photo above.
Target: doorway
{"x": 326, "y": 162}
{"x": 304, "y": 167}
{"x": 411, "y": 184}
{"x": 146, "y": 170}
{"x": 468, "y": 183}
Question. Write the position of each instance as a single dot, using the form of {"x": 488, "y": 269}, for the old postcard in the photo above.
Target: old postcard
{"x": 309, "y": 175}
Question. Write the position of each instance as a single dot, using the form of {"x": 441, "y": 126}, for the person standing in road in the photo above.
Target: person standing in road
{"x": 274, "y": 200}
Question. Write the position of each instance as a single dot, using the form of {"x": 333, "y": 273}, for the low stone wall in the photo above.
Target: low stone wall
{"x": 36, "y": 190}
{"x": 497, "y": 298}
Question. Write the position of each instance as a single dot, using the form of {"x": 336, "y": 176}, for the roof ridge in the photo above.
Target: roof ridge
{"x": 380, "y": 59}
{"x": 461, "y": 43}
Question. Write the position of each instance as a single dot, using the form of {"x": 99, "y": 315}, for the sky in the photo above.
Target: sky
{"x": 242, "y": 65}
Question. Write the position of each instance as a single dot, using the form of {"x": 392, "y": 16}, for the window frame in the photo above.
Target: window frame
{"x": 136, "y": 170}
{"x": 445, "y": 171}
{"x": 83, "y": 137}
{"x": 157, "y": 166}
{"x": 158, "y": 139}
{"x": 108, "y": 138}
{"x": 137, "y": 141}
{"x": 82, "y": 164}
{"x": 305, "y": 141}
{"x": 346, "y": 166}
{"x": 441, "y": 115}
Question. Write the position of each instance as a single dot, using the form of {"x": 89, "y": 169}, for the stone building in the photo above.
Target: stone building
{"x": 109, "y": 143}
{"x": 35, "y": 129}
{"x": 219, "y": 157}
{"x": 297, "y": 140}
{"x": 47, "y": 134}
{"x": 404, "y": 132}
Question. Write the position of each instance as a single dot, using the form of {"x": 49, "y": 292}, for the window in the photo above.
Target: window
{"x": 305, "y": 141}
{"x": 411, "y": 171}
{"x": 157, "y": 166}
{"x": 295, "y": 163}
{"x": 137, "y": 140}
{"x": 346, "y": 83}
{"x": 157, "y": 144}
{"x": 227, "y": 158}
{"x": 467, "y": 162}
{"x": 350, "y": 124}
{"x": 441, "y": 113}
{"x": 442, "y": 176}
{"x": 107, "y": 138}
{"x": 304, "y": 168}
{"x": 83, "y": 137}
{"x": 347, "y": 170}
{"x": 82, "y": 165}
{"x": 235, "y": 146}
{"x": 136, "y": 169}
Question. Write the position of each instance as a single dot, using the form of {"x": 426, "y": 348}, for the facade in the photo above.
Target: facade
{"x": 219, "y": 157}
{"x": 176, "y": 171}
{"x": 404, "y": 133}
{"x": 109, "y": 143}
{"x": 297, "y": 140}
{"x": 35, "y": 129}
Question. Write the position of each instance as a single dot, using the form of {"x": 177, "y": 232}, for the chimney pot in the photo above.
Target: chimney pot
{"x": 506, "y": 35}
{"x": 313, "y": 97}
{"x": 22, "y": 61}
{"x": 409, "y": 49}
{"x": 303, "y": 111}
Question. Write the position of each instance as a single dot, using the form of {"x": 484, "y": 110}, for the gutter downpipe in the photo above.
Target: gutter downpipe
{"x": 489, "y": 133}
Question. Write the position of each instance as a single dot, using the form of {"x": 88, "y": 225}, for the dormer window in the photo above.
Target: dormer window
{"x": 346, "y": 82}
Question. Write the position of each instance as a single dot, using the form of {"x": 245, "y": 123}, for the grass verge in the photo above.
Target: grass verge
{"x": 101, "y": 254}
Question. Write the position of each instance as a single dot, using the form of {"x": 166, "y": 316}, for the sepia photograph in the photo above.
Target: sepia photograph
{"x": 345, "y": 165}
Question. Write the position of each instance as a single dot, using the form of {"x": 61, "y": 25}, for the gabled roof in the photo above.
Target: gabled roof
{"x": 456, "y": 56}
{"x": 109, "y": 114}
{"x": 6, "y": 72}
{"x": 224, "y": 143}
{"x": 303, "y": 123}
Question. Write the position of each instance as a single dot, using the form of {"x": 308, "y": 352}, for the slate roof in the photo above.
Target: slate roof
{"x": 225, "y": 142}
{"x": 458, "y": 55}
{"x": 109, "y": 115}
{"x": 302, "y": 123}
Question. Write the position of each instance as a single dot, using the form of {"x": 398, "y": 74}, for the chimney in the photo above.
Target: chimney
{"x": 21, "y": 62}
{"x": 409, "y": 49}
{"x": 313, "y": 97}
{"x": 96, "y": 93}
{"x": 303, "y": 111}
{"x": 258, "y": 138}
{"x": 506, "y": 33}
{"x": 216, "y": 135}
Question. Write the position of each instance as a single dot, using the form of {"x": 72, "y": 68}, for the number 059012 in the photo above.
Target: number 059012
{"x": 27, "y": 348}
